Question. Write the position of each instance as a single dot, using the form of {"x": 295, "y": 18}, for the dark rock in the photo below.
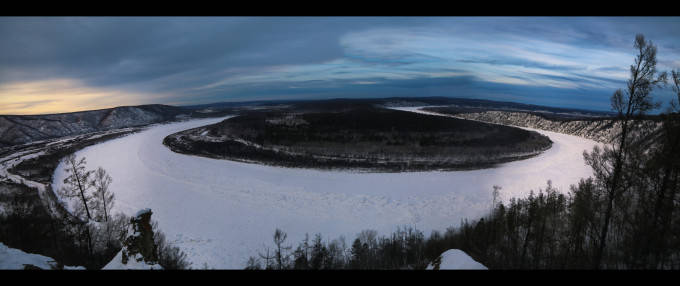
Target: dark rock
{"x": 140, "y": 239}
{"x": 31, "y": 267}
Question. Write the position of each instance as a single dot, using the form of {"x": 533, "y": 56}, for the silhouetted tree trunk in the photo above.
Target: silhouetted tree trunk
{"x": 631, "y": 104}
{"x": 281, "y": 258}
{"x": 77, "y": 182}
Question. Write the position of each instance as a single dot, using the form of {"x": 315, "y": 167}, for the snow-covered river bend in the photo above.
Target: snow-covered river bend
{"x": 221, "y": 212}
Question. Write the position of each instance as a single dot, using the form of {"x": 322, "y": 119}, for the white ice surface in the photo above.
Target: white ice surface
{"x": 456, "y": 259}
{"x": 221, "y": 212}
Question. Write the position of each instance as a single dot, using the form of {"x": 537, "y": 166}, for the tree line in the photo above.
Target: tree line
{"x": 404, "y": 249}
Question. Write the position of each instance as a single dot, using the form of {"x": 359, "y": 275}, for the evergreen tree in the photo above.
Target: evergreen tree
{"x": 359, "y": 255}
{"x": 319, "y": 253}
{"x": 299, "y": 258}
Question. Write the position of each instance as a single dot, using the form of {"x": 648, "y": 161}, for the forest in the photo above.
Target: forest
{"x": 360, "y": 136}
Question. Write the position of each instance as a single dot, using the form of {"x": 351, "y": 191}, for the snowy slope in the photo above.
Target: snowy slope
{"x": 117, "y": 264}
{"x": 19, "y": 129}
{"x": 221, "y": 212}
{"x": 11, "y": 258}
{"x": 603, "y": 130}
{"x": 455, "y": 259}
{"x": 598, "y": 130}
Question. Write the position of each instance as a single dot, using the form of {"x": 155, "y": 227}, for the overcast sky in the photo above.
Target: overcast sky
{"x": 50, "y": 65}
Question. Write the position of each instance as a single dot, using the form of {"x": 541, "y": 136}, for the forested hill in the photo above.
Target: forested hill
{"x": 359, "y": 137}
{"x": 19, "y": 129}
{"x": 600, "y": 129}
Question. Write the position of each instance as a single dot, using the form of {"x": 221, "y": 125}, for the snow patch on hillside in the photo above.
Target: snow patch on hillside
{"x": 11, "y": 258}
{"x": 134, "y": 263}
{"x": 455, "y": 259}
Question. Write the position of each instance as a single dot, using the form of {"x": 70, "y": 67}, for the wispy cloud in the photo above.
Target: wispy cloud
{"x": 59, "y": 95}
{"x": 122, "y": 61}
{"x": 413, "y": 53}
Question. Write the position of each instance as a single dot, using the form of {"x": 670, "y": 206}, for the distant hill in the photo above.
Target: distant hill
{"x": 467, "y": 104}
{"x": 20, "y": 129}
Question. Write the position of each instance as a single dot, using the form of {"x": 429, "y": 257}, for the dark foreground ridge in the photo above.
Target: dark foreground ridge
{"x": 358, "y": 136}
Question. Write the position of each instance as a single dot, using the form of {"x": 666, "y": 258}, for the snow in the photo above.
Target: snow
{"x": 66, "y": 267}
{"x": 456, "y": 259}
{"x": 14, "y": 159}
{"x": 132, "y": 263}
{"x": 11, "y": 258}
{"x": 142, "y": 212}
{"x": 221, "y": 212}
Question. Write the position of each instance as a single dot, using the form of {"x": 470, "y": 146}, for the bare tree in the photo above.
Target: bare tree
{"x": 675, "y": 105}
{"x": 253, "y": 264}
{"x": 495, "y": 194}
{"x": 77, "y": 183}
{"x": 103, "y": 198}
{"x": 631, "y": 103}
{"x": 279, "y": 239}
{"x": 267, "y": 258}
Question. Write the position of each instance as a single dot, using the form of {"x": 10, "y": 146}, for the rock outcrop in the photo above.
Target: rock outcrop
{"x": 139, "y": 250}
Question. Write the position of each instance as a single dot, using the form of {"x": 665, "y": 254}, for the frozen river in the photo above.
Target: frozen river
{"x": 221, "y": 212}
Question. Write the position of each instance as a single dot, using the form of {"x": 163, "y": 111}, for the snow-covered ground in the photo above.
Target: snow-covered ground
{"x": 15, "y": 259}
{"x": 456, "y": 259}
{"x": 11, "y": 258}
{"x": 132, "y": 264}
{"x": 221, "y": 212}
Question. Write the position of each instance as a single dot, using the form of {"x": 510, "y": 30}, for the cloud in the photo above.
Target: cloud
{"x": 191, "y": 60}
{"x": 59, "y": 95}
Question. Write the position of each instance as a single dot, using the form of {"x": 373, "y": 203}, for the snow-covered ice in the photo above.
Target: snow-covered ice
{"x": 456, "y": 259}
{"x": 221, "y": 212}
